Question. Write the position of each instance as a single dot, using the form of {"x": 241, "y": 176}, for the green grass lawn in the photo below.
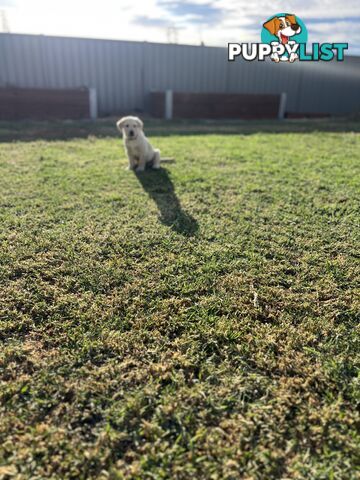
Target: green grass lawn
{"x": 198, "y": 322}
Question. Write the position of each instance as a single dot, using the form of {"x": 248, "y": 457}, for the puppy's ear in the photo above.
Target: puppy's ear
{"x": 291, "y": 18}
{"x": 120, "y": 123}
{"x": 139, "y": 122}
{"x": 272, "y": 25}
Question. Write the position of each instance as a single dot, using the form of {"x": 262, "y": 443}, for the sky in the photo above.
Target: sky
{"x": 213, "y": 22}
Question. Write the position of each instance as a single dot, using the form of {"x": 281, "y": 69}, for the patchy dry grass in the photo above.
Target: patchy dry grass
{"x": 197, "y": 322}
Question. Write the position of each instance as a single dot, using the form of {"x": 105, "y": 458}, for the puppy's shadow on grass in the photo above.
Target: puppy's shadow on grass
{"x": 160, "y": 188}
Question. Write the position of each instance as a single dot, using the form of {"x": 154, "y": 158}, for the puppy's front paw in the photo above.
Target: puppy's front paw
{"x": 140, "y": 169}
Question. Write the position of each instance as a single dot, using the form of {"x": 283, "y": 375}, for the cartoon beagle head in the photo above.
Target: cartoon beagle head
{"x": 283, "y": 27}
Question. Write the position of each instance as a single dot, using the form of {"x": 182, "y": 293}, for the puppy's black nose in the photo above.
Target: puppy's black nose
{"x": 295, "y": 27}
{"x": 131, "y": 133}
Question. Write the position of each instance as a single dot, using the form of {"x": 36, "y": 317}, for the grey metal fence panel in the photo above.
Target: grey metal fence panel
{"x": 330, "y": 87}
{"x": 124, "y": 72}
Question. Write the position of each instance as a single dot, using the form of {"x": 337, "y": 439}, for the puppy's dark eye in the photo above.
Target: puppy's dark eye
{"x": 281, "y": 25}
{"x": 127, "y": 126}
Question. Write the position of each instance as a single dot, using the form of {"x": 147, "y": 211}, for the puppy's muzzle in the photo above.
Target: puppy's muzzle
{"x": 295, "y": 27}
{"x": 131, "y": 133}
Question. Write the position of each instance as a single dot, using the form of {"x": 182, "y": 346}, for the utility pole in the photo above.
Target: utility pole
{"x": 172, "y": 34}
{"x": 4, "y": 24}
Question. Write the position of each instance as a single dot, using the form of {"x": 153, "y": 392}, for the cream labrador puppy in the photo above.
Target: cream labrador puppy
{"x": 137, "y": 147}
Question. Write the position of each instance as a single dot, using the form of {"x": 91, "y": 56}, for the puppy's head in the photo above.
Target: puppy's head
{"x": 130, "y": 127}
{"x": 283, "y": 27}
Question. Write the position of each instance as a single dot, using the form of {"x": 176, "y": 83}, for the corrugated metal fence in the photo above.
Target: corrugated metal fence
{"x": 123, "y": 73}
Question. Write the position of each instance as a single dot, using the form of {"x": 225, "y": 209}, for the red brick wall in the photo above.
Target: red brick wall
{"x": 43, "y": 104}
{"x": 217, "y": 105}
